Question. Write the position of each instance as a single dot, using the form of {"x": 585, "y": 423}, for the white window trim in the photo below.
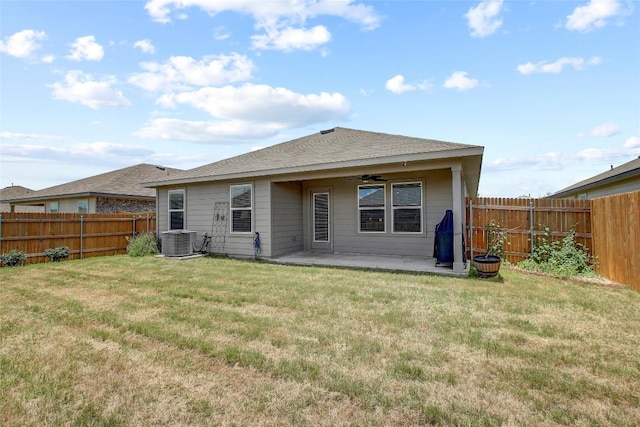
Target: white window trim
{"x": 183, "y": 210}
{"x": 383, "y": 207}
{"x": 313, "y": 226}
{"x": 421, "y": 207}
{"x": 231, "y": 209}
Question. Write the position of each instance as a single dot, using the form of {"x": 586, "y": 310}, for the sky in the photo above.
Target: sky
{"x": 550, "y": 89}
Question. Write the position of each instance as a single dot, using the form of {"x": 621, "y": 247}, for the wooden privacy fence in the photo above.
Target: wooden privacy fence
{"x": 86, "y": 235}
{"x": 524, "y": 219}
{"x": 608, "y": 226}
{"x": 616, "y": 231}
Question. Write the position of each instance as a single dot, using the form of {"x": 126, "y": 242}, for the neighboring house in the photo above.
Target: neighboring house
{"x": 16, "y": 191}
{"x": 621, "y": 179}
{"x": 339, "y": 190}
{"x": 111, "y": 192}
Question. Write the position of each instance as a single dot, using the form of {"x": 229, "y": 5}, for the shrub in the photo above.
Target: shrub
{"x": 56, "y": 254}
{"x": 142, "y": 244}
{"x": 13, "y": 259}
{"x": 565, "y": 258}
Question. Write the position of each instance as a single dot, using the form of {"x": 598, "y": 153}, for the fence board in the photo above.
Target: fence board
{"x": 86, "y": 235}
{"x": 616, "y": 223}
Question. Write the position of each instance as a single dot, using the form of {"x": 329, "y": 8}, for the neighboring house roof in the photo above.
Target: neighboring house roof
{"x": 624, "y": 171}
{"x": 14, "y": 191}
{"x": 121, "y": 183}
{"x": 330, "y": 149}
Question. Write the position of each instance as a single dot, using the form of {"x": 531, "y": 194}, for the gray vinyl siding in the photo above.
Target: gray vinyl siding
{"x": 437, "y": 198}
{"x": 287, "y": 221}
{"x": 619, "y": 187}
{"x": 200, "y": 202}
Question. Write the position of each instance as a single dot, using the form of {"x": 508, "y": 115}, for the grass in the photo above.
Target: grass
{"x": 145, "y": 341}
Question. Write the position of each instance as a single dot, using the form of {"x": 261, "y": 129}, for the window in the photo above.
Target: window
{"x": 176, "y": 209}
{"x": 53, "y": 207}
{"x": 407, "y": 207}
{"x": 241, "y": 208}
{"x": 321, "y": 217}
{"x": 83, "y": 206}
{"x": 371, "y": 208}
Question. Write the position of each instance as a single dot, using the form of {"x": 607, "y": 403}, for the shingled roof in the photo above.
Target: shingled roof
{"x": 119, "y": 183}
{"x": 623, "y": 171}
{"x": 330, "y": 149}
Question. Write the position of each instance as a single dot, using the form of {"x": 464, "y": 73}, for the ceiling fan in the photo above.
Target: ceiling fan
{"x": 369, "y": 178}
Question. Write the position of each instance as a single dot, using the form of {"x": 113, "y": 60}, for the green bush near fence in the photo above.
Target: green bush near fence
{"x": 57, "y": 254}
{"x": 566, "y": 258}
{"x": 142, "y": 244}
{"x": 14, "y": 258}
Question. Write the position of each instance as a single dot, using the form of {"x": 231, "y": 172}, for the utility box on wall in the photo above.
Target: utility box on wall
{"x": 178, "y": 242}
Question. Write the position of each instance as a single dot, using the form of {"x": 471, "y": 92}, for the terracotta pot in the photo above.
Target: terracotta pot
{"x": 487, "y": 265}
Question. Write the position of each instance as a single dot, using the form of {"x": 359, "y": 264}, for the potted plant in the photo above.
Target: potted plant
{"x": 488, "y": 264}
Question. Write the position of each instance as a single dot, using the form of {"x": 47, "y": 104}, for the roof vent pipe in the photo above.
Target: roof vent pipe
{"x": 324, "y": 132}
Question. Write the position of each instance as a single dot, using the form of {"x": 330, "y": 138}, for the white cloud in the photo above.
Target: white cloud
{"x": 23, "y": 43}
{"x": 86, "y": 48}
{"x": 559, "y": 161}
{"x": 263, "y": 104}
{"x": 605, "y": 130}
{"x": 145, "y": 46}
{"x": 212, "y": 132}
{"x": 289, "y": 39}
{"x": 96, "y": 151}
{"x": 484, "y": 20}
{"x": 160, "y": 10}
{"x": 82, "y": 88}
{"x": 459, "y": 80}
{"x": 29, "y": 136}
{"x": 283, "y": 22}
{"x": 593, "y": 15}
{"x": 219, "y": 33}
{"x": 48, "y": 59}
{"x": 396, "y": 84}
{"x": 633, "y": 142}
{"x": 556, "y": 67}
{"x": 184, "y": 72}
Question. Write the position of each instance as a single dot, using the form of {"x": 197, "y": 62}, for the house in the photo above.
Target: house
{"x": 340, "y": 191}
{"x": 621, "y": 179}
{"x": 16, "y": 191}
{"x": 111, "y": 192}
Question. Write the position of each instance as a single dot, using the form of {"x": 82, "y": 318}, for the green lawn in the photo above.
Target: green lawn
{"x": 210, "y": 341}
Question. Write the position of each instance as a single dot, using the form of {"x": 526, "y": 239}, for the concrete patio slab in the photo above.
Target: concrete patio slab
{"x": 376, "y": 262}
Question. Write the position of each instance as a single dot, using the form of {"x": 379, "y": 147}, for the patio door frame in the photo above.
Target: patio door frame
{"x": 321, "y": 245}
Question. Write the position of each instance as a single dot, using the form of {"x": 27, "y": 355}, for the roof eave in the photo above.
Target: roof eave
{"x": 604, "y": 181}
{"x": 75, "y": 196}
{"x": 437, "y": 155}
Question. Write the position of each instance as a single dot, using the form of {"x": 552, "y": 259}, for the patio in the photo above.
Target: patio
{"x": 376, "y": 262}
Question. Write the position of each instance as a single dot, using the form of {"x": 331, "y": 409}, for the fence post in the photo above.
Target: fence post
{"x": 471, "y": 230}
{"x": 147, "y": 223}
{"x": 133, "y": 233}
{"x": 81, "y": 235}
{"x": 531, "y": 226}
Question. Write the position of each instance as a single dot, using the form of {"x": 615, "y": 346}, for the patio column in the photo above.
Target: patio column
{"x": 458, "y": 210}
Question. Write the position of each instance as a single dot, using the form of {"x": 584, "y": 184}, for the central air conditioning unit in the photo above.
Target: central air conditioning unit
{"x": 178, "y": 242}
